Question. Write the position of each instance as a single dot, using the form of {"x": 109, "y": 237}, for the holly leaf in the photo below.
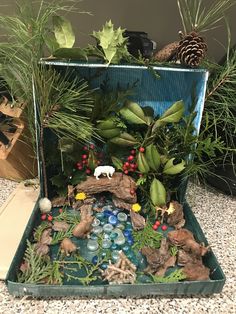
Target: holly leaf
{"x": 112, "y": 43}
{"x": 171, "y": 115}
{"x": 125, "y": 139}
{"x": 63, "y": 32}
{"x": 172, "y": 168}
{"x": 133, "y": 113}
{"x": 157, "y": 193}
{"x": 58, "y": 180}
{"x": 117, "y": 162}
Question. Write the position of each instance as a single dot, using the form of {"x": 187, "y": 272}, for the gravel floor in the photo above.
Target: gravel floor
{"x": 216, "y": 214}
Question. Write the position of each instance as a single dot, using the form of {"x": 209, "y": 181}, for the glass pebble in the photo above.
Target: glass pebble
{"x": 104, "y": 266}
{"x": 95, "y": 259}
{"x": 115, "y": 256}
{"x": 125, "y": 248}
{"x": 99, "y": 215}
{"x": 103, "y": 222}
{"x": 122, "y": 217}
{"x": 106, "y": 243}
{"x": 112, "y": 219}
{"x": 114, "y": 246}
{"x": 107, "y": 228}
{"x": 130, "y": 241}
{"x": 92, "y": 245}
{"x": 120, "y": 226}
{"x": 93, "y": 236}
{"x": 96, "y": 222}
{"x": 97, "y": 230}
{"x": 120, "y": 240}
{"x": 127, "y": 233}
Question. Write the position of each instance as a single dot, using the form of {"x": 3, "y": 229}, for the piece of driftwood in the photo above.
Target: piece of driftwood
{"x": 60, "y": 226}
{"x": 195, "y": 271}
{"x": 185, "y": 239}
{"x": 41, "y": 248}
{"x": 184, "y": 258}
{"x": 123, "y": 271}
{"x": 120, "y": 185}
{"x": 59, "y": 201}
{"x": 176, "y": 218}
{"x": 121, "y": 204}
{"x": 138, "y": 221}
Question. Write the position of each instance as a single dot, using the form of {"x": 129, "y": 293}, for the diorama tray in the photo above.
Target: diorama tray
{"x": 174, "y": 84}
{"x": 186, "y": 288}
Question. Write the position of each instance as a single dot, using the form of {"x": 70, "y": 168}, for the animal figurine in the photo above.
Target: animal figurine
{"x": 104, "y": 170}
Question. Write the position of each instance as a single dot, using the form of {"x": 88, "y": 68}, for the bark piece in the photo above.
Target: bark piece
{"x": 170, "y": 262}
{"x": 60, "y": 226}
{"x": 86, "y": 211}
{"x": 46, "y": 237}
{"x": 185, "y": 239}
{"x": 194, "y": 271}
{"x": 176, "y": 219}
{"x": 187, "y": 258}
{"x": 41, "y": 248}
{"x": 67, "y": 246}
{"x": 121, "y": 204}
{"x": 138, "y": 221}
{"x": 119, "y": 185}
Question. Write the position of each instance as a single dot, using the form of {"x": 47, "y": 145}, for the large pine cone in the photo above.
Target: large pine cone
{"x": 192, "y": 49}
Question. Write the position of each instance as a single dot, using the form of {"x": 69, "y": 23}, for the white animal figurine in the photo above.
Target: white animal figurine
{"x": 105, "y": 170}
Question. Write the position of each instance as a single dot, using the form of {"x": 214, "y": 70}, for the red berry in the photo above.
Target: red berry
{"x": 78, "y": 164}
{"x": 85, "y": 162}
{"x": 142, "y": 149}
{"x": 85, "y": 148}
{"x": 84, "y": 156}
{"x": 133, "y": 152}
{"x": 131, "y": 157}
{"x": 127, "y": 164}
{"x": 157, "y": 223}
{"x": 60, "y": 210}
{"x": 133, "y": 166}
{"x": 80, "y": 167}
{"x": 50, "y": 218}
{"x": 44, "y": 216}
{"x": 126, "y": 171}
{"x": 92, "y": 146}
{"x": 140, "y": 175}
{"x": 154, "y": 227}
{"x": 88, "y": 171}
{"x": 164, "y": 227}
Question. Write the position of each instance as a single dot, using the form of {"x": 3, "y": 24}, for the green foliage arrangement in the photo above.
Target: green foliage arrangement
{"x": 174, "y": 276}
{"x": 146, "y": 237}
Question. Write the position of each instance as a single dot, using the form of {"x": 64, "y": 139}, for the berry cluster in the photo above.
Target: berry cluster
{"x": 88, "y": 159}
{"x": 130, "y": 165}
{"x": 157, "y": 224}
{"x": 49, "y": 217}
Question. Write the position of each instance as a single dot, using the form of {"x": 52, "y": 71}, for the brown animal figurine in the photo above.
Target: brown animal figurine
{"x": 82, "y": 230}
{"x": 67, "y": 246}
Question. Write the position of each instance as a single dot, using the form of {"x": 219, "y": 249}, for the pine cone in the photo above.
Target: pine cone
{"x": 166, "y": 53}
{"x": 192, "y": 49}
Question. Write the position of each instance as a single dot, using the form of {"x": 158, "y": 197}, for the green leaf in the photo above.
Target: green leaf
{"x": 112, "y": 43}
{"x": 142, "y": 163}
{"x": 58, "y": 180}
{"x": 124, "y": 139}
{"x": 77, "y": 178}
{"x": 117, "y": 162}
{"x": 133, "y": 113}
{"x": 66, "y": 145}
{"x": 63, "y": 32}
{"x": 141, "y": 181}
{"x": 157, "y": 193}
{"x": 51, "y": 43}
{"x": 171, "y": 115}
{"x": 71, "y": 53}
{"x": 153, "y": 157}
{"x": 172, "y": 168}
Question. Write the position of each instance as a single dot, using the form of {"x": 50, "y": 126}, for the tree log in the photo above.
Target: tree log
{"x": 119, "y": 185}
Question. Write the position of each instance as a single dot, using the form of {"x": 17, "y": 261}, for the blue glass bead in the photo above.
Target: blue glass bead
{"x": 114, "y": 246}
{"x": 95, "y": 259}
{"x": 125, "y": 248}
{"x": 127, "y": 233}
{"x": 130, "y": 241}
{"x": 115, "y": 256}
{"x": 115, "y": 212}
{"x": 107, "y": 213}
{"x": 104, "y": 266}
{"x": 112, "y": 220}
{"x": 92, "y": 245}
